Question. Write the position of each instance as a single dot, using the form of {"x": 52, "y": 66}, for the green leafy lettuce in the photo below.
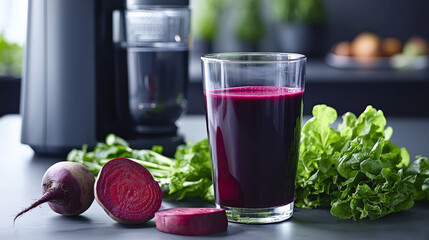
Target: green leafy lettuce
{"x": 420, "y": 168}
{"x": 352, "y": 169}
{"x": 355, "y": 169}
{"x": 187, "y": 175}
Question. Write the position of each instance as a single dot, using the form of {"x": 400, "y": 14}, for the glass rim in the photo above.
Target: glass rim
{"x": 228, "y": 57}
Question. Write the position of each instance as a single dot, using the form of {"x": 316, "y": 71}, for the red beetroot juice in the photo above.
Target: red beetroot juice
{"x": 254, "y": 133}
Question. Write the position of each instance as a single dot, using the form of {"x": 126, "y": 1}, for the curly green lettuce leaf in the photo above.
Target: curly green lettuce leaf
{"x": 191, "y": 175}
{"x": 354, "y": 169}
{"x": 316, "y": 175}
{"x": 420, "y": 169}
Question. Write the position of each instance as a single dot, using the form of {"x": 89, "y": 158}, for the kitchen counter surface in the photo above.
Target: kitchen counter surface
{"x": 21, "y": 172}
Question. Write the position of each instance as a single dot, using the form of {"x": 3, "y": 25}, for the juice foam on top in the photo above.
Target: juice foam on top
{"x": 256, "y": 91}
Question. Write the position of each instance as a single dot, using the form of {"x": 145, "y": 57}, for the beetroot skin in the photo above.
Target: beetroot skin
{"x": 68, "y": 187}
{"x": 191, "y": 221}
{"x": 127, "y": 191}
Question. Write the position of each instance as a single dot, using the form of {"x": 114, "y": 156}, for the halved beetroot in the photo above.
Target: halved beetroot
{"x": 127, "y": 191}
{"x": 191, "y": 221}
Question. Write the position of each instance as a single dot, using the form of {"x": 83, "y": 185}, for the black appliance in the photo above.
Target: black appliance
{"x": 97, "y": 67}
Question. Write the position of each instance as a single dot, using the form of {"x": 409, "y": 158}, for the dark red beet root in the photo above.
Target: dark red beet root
{"x": 191, "y": 221}
{"x": 127, "y": 191}
{"x": 68, "y": 187}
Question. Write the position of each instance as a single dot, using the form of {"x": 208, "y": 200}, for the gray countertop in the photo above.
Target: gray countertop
{"x": 21, "y": 173}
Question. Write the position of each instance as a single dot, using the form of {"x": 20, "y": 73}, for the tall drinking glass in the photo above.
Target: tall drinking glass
{"x": 253, "y": 112}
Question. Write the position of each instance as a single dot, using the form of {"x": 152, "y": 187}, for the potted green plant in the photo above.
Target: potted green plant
{"x": 300, "y": 27}
{"x": 204, "y": 25}
{"x": 10, "y": 58}
{"x": 249, "y": 28}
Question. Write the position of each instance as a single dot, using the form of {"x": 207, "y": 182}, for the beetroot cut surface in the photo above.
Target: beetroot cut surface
{"x": 127, "y": 191}
{"x": 191, "y": 221}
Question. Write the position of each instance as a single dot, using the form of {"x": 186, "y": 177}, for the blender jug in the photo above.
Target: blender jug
{"x": 152, "y": 41}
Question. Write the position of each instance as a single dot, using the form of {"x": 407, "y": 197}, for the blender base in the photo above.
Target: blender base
{"x": 169, "y": 143}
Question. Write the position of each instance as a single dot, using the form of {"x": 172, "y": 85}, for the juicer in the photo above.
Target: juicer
{"x": 97, "y": 67}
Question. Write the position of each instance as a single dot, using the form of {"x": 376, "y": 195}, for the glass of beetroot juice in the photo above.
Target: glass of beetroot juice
{"x": 253, "y": 111}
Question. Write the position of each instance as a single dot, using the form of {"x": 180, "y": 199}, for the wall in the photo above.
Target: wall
{"x": 346, "y": 18}
{"x": 13, "y": 19}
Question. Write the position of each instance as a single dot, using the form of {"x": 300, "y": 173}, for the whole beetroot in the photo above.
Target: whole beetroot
{"x": 68, "y": 187}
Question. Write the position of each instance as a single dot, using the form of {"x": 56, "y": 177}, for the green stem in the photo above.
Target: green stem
{"x": 158, "y": 172}
{"x": 160, "y": 158}
{"x": 151, "y": 165}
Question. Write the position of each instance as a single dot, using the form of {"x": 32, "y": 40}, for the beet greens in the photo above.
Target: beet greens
{"x": 187, "y": 175}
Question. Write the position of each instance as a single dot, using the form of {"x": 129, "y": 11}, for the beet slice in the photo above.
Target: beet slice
{"x": 191, "y": 221}
{"x": 127, "y": 191}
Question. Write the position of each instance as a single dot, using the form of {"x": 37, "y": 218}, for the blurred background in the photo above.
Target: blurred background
{"x": 359, "y": 52}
